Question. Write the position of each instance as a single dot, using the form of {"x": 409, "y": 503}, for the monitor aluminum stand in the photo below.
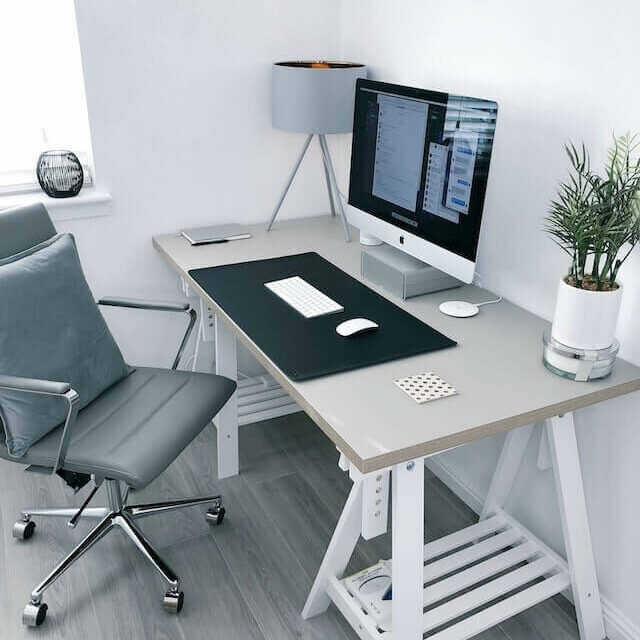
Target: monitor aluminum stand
{"x": 332, "y": 185}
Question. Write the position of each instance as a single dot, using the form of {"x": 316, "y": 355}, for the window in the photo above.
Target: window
{"x": 42, "y": 105}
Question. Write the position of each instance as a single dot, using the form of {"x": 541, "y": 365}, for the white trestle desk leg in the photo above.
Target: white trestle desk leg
{"x": 544, "y": 455}
{"x": 407, "y": 534}
{"x": 513, "y": 451}
{"x": 375, "y": 504}
{"x": 205, "y": 333}
{"x": 227, "y": 419}
{"x": 575, "y": 525}
{"x": 343, "y": 542}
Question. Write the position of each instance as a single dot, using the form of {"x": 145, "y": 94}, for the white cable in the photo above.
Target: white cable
{"x": 479, "y": 304}
{"x": 477, "y": 280}
{"x": 344, "y": 198}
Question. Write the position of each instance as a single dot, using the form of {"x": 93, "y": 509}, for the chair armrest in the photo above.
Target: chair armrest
{"x": 151, "y": 305}
{"x": 182, "y": 307}
{"x": 47, "y": 387}
{"x": 33, "y": 385}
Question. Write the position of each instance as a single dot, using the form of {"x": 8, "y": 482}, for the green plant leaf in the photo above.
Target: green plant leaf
{"x": 595, "y": 218}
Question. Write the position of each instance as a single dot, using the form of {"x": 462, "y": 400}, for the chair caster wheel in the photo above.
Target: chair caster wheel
{"x": 173, "y": 601}
{"x": 34, "y": 614}
{"x": 215, "y": 515}
{"x": 23, "y": 529}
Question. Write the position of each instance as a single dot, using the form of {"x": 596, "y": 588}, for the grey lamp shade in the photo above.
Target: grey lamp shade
{"x": 314, "y": 97}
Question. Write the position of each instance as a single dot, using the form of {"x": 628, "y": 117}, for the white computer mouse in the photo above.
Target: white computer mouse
{"x": 355, "y": 327}
{"x": 459, "y": 309}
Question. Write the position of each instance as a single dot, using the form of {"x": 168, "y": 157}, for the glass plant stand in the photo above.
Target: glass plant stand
{"x": 577, "y": 364}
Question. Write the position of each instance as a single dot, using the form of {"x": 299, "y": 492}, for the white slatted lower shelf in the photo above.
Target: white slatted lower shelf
{"x": 261, "y": 398}
{"x": 501, "y": 568}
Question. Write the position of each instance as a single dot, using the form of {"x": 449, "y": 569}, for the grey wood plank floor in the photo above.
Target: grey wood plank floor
{"x": 245, "y": 580}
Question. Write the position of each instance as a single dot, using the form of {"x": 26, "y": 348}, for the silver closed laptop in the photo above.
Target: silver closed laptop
{"x": 218, "y": 233}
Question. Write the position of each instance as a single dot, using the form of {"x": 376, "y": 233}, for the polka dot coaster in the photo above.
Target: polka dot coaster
{"x": 425, "y": 387}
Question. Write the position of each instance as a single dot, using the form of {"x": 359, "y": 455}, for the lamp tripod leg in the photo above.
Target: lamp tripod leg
{"x": 334, "y": 184}
{"x": 290, "y": 180}
{"x": 329, "y": 189}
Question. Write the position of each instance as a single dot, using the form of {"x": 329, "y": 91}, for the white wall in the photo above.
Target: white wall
{"x": 559, "y": 71}
{"x": 178, "y": 97}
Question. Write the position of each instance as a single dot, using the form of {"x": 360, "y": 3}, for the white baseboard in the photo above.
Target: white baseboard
{"x": 617, "y": 624}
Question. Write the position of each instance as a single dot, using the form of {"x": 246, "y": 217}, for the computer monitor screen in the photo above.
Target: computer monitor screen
{"x": 420, "y": 161}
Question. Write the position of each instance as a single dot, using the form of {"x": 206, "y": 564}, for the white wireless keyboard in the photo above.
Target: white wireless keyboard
{"x": 303, "y": 297}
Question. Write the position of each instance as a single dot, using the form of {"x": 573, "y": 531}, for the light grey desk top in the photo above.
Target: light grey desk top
{"x": 496, "y": 367}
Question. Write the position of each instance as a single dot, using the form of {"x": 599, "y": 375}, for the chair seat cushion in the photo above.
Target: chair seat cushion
{"x": 52, "y": 329}
{"x": 137, "y": 427}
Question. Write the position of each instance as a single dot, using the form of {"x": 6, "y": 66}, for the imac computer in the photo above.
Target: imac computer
{"x": 419, "y": 168}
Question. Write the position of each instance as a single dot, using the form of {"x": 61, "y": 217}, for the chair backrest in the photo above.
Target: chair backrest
{"x": 20, "y": 229}
{"x": 24, "y": 227}
{"x": 68, "y": 341}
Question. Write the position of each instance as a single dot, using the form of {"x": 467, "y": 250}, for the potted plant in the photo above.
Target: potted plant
{"x": 595, "y": 220}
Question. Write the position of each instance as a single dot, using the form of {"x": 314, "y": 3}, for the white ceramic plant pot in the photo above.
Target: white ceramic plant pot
{"x": 586, "y": 319}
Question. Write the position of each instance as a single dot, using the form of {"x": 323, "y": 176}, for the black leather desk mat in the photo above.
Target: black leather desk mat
{"x": 308, "y": 348}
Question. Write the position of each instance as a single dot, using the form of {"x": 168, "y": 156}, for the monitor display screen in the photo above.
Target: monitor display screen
{"x": 420, "y": 161}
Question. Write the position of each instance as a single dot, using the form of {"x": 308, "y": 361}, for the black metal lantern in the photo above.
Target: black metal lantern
{"x": 60, "y": 174}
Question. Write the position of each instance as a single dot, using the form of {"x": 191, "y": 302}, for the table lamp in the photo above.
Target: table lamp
{"x": 315, "y": 98}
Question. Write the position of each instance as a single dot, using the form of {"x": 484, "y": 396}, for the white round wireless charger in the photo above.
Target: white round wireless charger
{"x": 459, "y": 309}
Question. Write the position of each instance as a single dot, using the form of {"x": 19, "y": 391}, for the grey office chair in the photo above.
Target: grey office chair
{"x": 124, "y": 439}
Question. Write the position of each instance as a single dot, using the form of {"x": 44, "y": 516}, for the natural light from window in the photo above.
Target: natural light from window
{"x": 43, "y": 104}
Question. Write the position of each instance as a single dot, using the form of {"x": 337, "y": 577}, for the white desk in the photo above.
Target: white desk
{"x": 502, "y": 384}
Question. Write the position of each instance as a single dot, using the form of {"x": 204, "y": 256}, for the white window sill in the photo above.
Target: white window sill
{"x": 64, "y": 208}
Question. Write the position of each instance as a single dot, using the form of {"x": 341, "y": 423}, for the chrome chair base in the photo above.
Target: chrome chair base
{"x": 116, "y": 515}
